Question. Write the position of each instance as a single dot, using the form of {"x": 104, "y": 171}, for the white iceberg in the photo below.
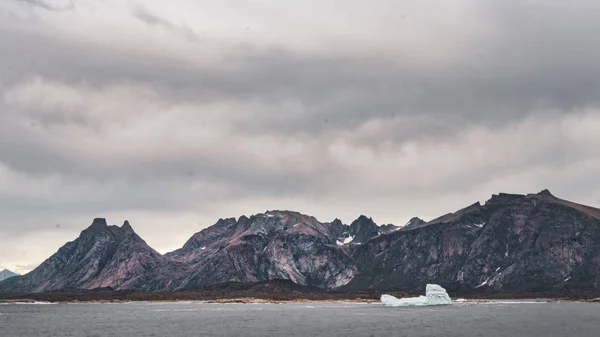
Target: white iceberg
{"x": 434, "y": 295}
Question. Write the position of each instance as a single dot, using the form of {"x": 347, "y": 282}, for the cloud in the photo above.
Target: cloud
{"x": 51, "y": 5}
{"x": 393, "y": 109}
{"x": 145, "y": 16}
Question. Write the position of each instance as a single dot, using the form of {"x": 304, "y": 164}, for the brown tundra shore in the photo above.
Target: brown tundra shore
{"x": 268, "y": 292}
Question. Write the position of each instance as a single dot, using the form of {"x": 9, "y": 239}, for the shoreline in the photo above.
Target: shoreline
{"x": 258, "y": 300}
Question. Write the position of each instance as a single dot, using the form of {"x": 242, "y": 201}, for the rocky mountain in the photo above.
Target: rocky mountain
{"x": 516, "y": 243}
{"x": 4, "y": 274}
{"x": 102, "y": 256}
{"x": 362, "y": 229}
{"x": 274, "y": 245}
{"x": 414, "y": 222}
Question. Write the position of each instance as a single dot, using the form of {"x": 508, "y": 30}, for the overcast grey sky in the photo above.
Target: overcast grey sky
{"x": 172, "y": 114}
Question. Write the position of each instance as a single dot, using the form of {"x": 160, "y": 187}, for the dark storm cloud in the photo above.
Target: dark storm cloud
{"x": 125, "y": 119}
{"x": 497, "y": 81}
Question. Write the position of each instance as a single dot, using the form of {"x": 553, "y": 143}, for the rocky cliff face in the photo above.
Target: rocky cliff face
{"x": 514, "y": 243}
{"x": 273, "y": 245}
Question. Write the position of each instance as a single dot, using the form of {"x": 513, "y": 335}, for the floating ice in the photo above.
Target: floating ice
{"x": 434, "y": 295}
{"x": 391, "y": 301}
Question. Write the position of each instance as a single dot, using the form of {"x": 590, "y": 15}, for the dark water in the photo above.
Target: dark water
{"x": 299, "y": 319}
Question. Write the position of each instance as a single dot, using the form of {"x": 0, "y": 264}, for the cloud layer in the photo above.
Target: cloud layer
{"x": 173, "y": 116}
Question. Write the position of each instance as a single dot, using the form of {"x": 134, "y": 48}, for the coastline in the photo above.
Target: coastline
{"x": 54, "y": 298}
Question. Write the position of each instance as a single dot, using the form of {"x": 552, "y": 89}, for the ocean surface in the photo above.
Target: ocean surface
{"x": 502, "y": 318}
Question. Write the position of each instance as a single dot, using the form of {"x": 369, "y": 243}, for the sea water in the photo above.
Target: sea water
{"x": 492, "y": 319}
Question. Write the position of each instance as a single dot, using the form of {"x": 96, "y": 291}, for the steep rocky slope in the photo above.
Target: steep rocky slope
{"x": 102, "y": 256}
{"x": 533, "y": 242}
{"x": 274, "y": 245}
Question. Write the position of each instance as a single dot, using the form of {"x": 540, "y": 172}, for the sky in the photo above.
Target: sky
{"x": 173, "y": 114}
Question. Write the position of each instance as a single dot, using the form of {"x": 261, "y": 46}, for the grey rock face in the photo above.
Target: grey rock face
{"x": 516, "y": 243}
{"x": 273, "y": 245}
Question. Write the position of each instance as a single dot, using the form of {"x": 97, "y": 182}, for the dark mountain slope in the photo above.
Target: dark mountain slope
{"x": 274, "y": 245}
{"x": 102, "y": 256}
{"x": 512, "y": 243}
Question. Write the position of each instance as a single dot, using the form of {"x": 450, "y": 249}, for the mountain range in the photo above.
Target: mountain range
{"x": 512, "y": 243}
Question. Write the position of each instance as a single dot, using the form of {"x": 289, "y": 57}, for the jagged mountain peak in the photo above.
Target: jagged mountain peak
{"x": 102, "y": 256}
{"x": 362, "y": 229}
{"x": 363, "y": 217}
{"x": 414, "y": 222}
{"x": 542, "y": 195}
{"x": 415, "y": 219}
{"x": 337, "y": 221}
{"x": 127, "y": 227}
{"x": 98, "y": 224}
{"x": 100, "y": 229}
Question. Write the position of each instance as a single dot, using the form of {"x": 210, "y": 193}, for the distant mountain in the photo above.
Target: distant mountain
{"x": 4, "y": 274}
{"x": 516, "y": 243}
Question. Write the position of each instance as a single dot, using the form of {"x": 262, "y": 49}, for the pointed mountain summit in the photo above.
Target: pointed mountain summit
{"x": 362, "y": 229}
{"x": 102, "y": 256}
{"x": 414, "y": 222}
{"x": 127, "y": 227}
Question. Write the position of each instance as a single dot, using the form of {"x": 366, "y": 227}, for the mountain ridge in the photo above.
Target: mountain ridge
{"x": 513, "y": 242}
